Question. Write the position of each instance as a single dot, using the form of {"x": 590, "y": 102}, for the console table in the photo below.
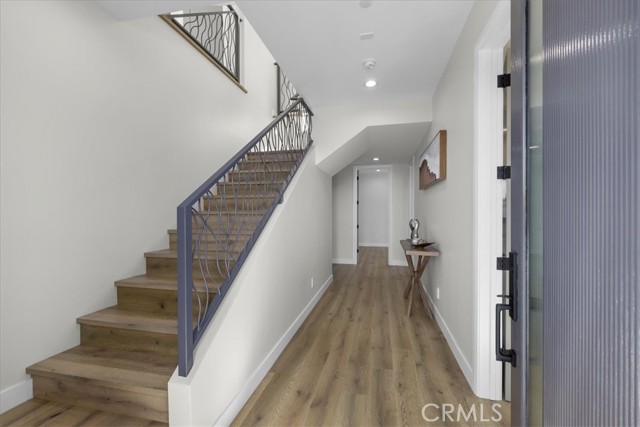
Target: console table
{"x": 424, "y": 255}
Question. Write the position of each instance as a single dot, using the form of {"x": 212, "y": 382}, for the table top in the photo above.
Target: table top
{"x": 409, "y": 249}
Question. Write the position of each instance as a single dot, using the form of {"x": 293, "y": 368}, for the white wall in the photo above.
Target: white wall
{"x": 267, "y": 302}
{"x": 445, "y": 210}
{"x": 399, "y": 213}
{"x": 374, "y": 207}
{"x": 342, "y": 215}
{"x": 106, "y": 127}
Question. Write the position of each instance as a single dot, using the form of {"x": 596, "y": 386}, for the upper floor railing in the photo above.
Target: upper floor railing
{"x": 286, "y": 92}
{"x": 221, "y": 221}
{"x": 217, "y": 34}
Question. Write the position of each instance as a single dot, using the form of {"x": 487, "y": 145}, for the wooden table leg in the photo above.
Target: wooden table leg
{"x": 422, "y": 265}
{"x": 413, "y": 286}
{"x": 412, "y": 273}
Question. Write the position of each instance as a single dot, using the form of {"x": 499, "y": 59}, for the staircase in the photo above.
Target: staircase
{"x": 128, "y": 352}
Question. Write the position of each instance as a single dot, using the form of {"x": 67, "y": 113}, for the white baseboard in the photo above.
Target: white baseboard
{"x": 15, "y": 395}
{"x": 374, "y": 245}
{"x": 240, "y": 399}
{"x": 343, "y": 261}
{"x": 398, "y": 262}
{"x": 464, "y": 364}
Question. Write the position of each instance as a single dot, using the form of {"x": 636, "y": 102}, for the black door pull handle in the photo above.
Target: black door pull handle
{"x": 511, "y": 265}
{"x": 502, "y": 354}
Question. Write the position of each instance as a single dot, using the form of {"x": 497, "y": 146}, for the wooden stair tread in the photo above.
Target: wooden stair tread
{"x": 277, "y": 169}
{"x": 173, "y": 254}
{"x": 158, "y": 283}
{"x": 41, "y": 412}
{"x": 270, "y": 160}
{"x": 245, "y": 196}
{"x": 114, "y": 368}
{"x": 231, "y": 213}
{"x": 240, "y": 182}
{"x": 113, "y": 317}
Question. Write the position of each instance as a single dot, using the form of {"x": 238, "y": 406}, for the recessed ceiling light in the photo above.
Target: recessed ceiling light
{"x": 375, "y": 159}
{"x": 377, "y": 170}
{"x": 370, "y": 83}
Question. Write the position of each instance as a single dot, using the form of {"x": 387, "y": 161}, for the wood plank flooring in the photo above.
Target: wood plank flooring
{"x": 39, "y": 412}
{"x": 359, "y": 361}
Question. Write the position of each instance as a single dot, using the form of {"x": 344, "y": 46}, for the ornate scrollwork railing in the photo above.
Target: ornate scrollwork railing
{"x": 286, "y": 92}
{"x": 220, "y": 222}
{"x": 216, "y": 33}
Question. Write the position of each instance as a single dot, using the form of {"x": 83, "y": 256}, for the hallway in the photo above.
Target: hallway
{"x": 358, "y": 360}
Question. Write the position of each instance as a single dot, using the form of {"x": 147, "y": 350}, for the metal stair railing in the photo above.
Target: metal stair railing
{"x": 219, "y": 223}
{"x": 217, "y": 34}
{"x": 286, "y": 93}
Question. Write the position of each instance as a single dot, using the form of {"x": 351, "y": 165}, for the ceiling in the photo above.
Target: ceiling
{"x": 318, "y": 45}
{"x": 317, "y": 42}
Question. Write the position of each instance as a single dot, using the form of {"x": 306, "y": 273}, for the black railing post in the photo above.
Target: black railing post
{"x": 185, "y": 282}
{"x": 237, "y": 46}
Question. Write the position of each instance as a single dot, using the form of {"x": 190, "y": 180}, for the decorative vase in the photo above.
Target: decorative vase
{"x": 414, "y": 224}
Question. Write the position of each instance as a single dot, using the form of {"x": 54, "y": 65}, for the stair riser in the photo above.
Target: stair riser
{"x": 151, "y": 405}
{"x": 227, "y": 225}
{"x": 258, "y": 175}
{"x": 231, "y": 204}
{"x": 129, "y": 339}
{"x": 275, "y": 155}
{"x": 259, "y": 165}
{"x": 154, "y": 301}
{"x": 168, "y": 268}
{"x": 230, "y": 190}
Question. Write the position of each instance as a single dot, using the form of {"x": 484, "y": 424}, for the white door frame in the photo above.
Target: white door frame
{"x": 487, "y": 203}
{"x": 355, "y": 206}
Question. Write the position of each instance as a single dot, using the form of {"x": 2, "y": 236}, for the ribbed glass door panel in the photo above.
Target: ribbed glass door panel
{"x": 591, "y": 212}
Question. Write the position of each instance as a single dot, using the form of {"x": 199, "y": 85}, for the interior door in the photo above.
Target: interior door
{"x": 357, "y": 214}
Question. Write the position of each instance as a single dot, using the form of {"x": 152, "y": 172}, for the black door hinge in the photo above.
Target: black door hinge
{"x": 504, "y": 263}
{"x": 504, "y": 80}
{"x": 504, "y": 172}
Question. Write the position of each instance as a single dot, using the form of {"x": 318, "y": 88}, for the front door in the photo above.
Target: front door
{"x": 575, "y": 201}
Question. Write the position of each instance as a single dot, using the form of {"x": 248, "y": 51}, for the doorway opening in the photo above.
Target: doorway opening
{"x": 372, "y": 202}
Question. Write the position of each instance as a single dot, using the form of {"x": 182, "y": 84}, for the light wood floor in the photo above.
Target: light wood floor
{"x": 38, "y": 412}
{"x": 358, "y": 360}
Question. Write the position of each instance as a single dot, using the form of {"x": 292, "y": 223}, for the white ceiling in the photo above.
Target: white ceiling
{"x": 317, "y": 42}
